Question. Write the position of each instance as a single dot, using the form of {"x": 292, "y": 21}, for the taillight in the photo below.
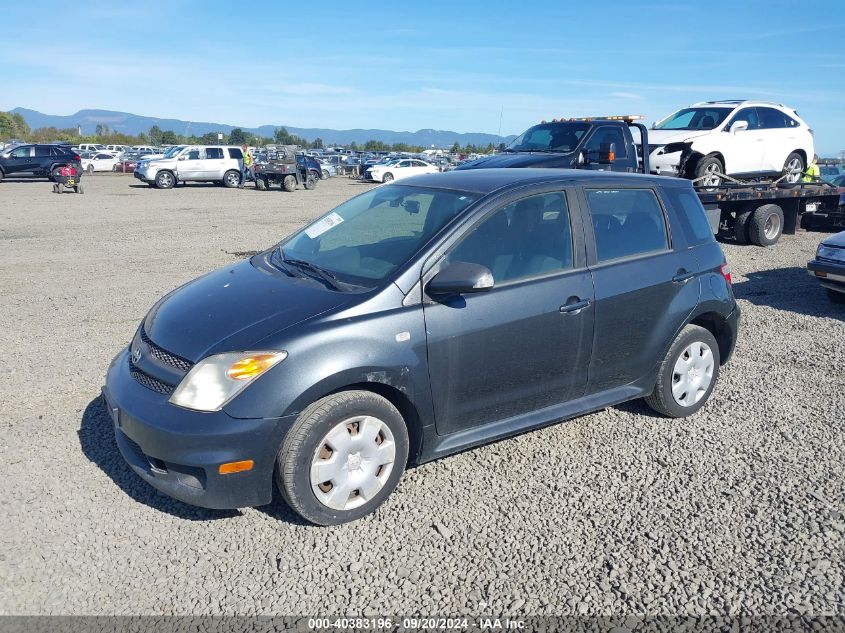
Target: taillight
{"x": 725, "y": 269}
{"x": 76, "y": 157}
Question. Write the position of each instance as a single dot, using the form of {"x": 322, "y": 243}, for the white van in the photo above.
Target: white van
{"x": 91, "y": 147}
{"x": 200, "y": 163}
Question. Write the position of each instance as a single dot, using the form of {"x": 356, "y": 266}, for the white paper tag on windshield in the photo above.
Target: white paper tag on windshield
{"x": 320, "y": 227}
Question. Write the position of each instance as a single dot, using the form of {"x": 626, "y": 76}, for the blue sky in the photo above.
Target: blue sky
{"x": 464, "y": 66}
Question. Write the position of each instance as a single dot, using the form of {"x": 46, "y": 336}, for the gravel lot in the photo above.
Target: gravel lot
{"x": 738, "y": 509}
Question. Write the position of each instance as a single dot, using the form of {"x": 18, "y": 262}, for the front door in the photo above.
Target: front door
{"x": 191, "y": 164}
{"x": 524, "y": 344}
{"x": 19, "y": 160}
{"x": 745, "y": 148}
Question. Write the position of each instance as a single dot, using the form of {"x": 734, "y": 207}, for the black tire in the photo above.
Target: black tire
{"x": 741, "y": 226}
{"x": 704, "y": 166}
{"x": 794, "y": 158}
{"x": 765, "y": 225}
{"x": 90, "y": 169}
{"x": 293, "y": 462}
{"x": 835, "y": 296}
{"x": 56, "y": 187}
{"x": 323, "y": 175}
{"x": 388, "y": 177}
{"x": 165, "y": 180}
{"x": 289, "y": 183}
{"x": 2, "y": 175}
{"x": 261, "y": 184}
{"x": 231, "y": 179}
{"x": 661, "y": 399}
{"x": 54, "y": 173}
{"x": 311, "y": 182}
{"x": 79, "y": 189}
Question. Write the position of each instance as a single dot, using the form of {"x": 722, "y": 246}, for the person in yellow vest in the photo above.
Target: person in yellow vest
{"x": 812, "y": 173}
{"x": 246, "y": 165}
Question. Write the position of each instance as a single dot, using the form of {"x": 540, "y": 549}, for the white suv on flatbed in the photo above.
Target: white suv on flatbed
{"x": 737, "y": 138}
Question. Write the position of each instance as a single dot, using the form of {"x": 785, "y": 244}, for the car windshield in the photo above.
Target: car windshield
{"x": 172, "y": 151}
{"x": 550, "y": 137}
{"x": 367, "y": 238}
{"x": 694, "y": 119}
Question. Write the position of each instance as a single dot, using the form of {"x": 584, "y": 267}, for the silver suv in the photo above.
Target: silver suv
{"x": 202, "y": 163}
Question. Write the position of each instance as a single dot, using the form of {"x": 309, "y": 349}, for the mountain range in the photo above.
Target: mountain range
{"x": 127, "y": 123}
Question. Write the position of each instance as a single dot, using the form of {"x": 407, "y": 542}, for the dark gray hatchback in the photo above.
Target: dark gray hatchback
{"x": 420, "y": 319}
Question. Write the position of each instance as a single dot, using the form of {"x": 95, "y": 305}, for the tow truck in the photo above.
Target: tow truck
{"x": 756, "y": 212}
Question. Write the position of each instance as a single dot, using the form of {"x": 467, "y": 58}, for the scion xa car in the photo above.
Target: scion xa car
{"x": 416, "y": 320}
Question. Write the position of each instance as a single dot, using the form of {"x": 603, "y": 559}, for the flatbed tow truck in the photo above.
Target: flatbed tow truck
{"x": 756, "y": 212}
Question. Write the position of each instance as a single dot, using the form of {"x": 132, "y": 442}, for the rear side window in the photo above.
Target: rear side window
{"x": 235, "y": 152}
{"x": 691, "y": 216}
{"x": 42, "y": 150}
{"x": 627, "y": 222}
{"x": 213, "y": 153}
{"x": 770, "y": 118}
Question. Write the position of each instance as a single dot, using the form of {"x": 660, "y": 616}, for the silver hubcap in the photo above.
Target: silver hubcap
{"x": 352, "y": 463}
{"x": 233, "y": 179}
{"x": 793, "y": 170}
{"x": 165, "y": 180}
{"x": 772, "y": 229}
{"x": 710, "y": 175}
{"x": 693, "y": 374}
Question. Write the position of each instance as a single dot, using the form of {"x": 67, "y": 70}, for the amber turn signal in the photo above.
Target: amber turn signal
{"x": 251, "y": 366}
{"x": 235, "y": 467}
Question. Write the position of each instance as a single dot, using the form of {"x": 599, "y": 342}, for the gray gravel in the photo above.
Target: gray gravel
{"x": 738, "y": 509}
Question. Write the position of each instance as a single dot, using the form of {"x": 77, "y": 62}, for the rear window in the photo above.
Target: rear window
{"x": 235, "y": 152}
{"x": 627, "y": 222}
{"x": 691, "y": 215}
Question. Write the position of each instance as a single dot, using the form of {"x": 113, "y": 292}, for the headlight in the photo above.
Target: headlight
{"x": 215, "y": 380}
{"x": 829, "y": 252}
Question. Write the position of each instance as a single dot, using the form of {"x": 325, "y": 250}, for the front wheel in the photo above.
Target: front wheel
{"x": 793, "y": 168}
{"x": 686, "y": 377}
{"x": 342, "y": 458}
{"x": 289, "y": 183}
{"x": 260, "y": 183}
{"x": 311, "y": 182}
{"x": 231, "y": 179}
{"x": 835, "y": 296}
{"x": 388, "y": 177}
{"x": 708, "y": 170}
{"x": 165, "y": 180}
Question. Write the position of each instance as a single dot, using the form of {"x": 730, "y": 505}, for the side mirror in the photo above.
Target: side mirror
{"x": 183, "y": 157}
{"x": 738, "y": 126}
{"x": 581, "y": 160}
{"x": 461, "y": 278}
{"x": 607, "y": 153}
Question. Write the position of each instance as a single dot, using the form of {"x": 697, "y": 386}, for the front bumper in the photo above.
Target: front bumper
{"x": 830, "y": 274}
{"x": 144, "y": 176}
{"x": 664, "y": 164}
{"x": 178, "y": 451}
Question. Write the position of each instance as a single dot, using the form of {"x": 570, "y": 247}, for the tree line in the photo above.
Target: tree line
{"x": 14, "y": 126}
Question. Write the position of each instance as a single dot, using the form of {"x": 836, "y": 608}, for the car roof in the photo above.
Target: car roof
{"x": 735, "y": 103}
{"x": 486, "y": 181}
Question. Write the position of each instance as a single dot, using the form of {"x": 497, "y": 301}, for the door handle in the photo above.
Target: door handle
{"x": 682, "y": 276}
{"x": 574, "y": 306}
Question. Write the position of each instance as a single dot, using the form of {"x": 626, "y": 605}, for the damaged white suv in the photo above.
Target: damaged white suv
{"x": 736, "y": 138}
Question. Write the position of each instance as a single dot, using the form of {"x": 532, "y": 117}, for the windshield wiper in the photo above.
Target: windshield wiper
{"x": 317, "y": 272}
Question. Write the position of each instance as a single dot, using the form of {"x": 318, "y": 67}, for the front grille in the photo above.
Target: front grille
{"x": 164, "y": 356}
{"x": 149, "y": 381}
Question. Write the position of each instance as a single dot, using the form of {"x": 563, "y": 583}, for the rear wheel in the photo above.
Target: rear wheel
{"x": 311, "y": 182}
{"x": 231, "y": 179}
{"x": 324, "y": 175}
{"x": 793, "y": 168}
{"x": 741, "y": 226}
{"x": 765, "y": 225}
{"x": 708, "y": 170}
{"x": 289, "y": 183}
{"x": 260, "y": 184}
{"x": 165, "y": 180}
{"x": 388, "y": 177}
{"x": 686, "y": 377}
{"x": 343, "y": 457}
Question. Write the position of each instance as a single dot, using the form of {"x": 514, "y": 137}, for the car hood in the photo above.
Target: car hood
{"x": 234, "y": 307}
{"x": 835, "y": 240}
{"x": 521, "y": 159}
{"x": 663, "y": 137}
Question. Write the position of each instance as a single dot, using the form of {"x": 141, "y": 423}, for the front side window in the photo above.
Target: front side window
{"x": 605, "y": 135}
{"x": 748, "y": 115}
{"x": 370, "y": 236}
{"x": 523, "y": 239}
{"x": 194, "y": 154}
{"x": 21, "y": 152}
{"x": 626, "y": 222}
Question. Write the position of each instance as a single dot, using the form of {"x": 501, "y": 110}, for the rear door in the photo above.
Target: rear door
{"x": 524, "y": 344}
{"x": 644, "y": 290}
{"x": 214, "y": 164}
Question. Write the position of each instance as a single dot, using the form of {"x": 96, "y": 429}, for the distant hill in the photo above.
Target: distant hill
{"x": 128, "y": 123}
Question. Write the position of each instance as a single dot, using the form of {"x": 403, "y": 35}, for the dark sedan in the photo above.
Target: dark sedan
{"x": 829, "y": 266}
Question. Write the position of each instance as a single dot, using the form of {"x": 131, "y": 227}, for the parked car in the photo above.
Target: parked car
{"x": 36, "y": 160}
{"x": 99, "y": 161}
{"x": 829, "y": 266}
{"x": 399, "y": 169}
{"x": 738, "y": 138}
{"x": 312, "y": 165}
{"x": 199, "y": 163}
{"x": 127, "y": 163}
{"x": 328, "y": 170}
{"x": 420, "y": 319}
{"x": 91, "y": 147}
{"x": 830, "y": 172}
